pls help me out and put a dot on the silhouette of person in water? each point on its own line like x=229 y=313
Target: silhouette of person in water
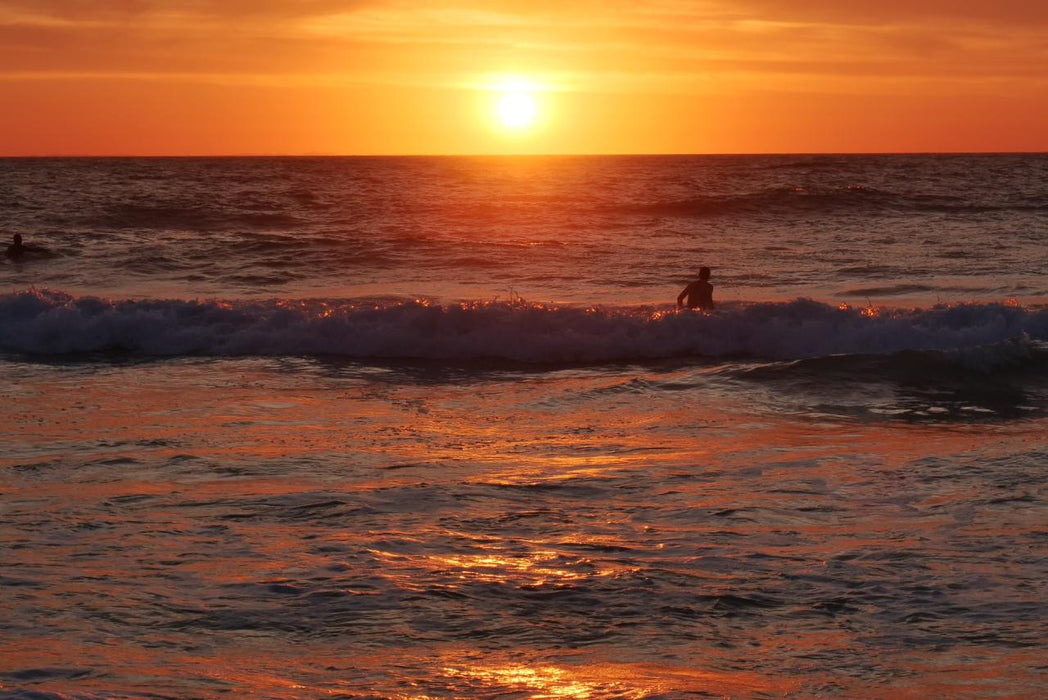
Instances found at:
x=17 y=251
x=699 y=292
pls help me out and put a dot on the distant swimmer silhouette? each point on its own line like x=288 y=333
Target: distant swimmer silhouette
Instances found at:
x=20 y=251
x=17 y=251
x=699 y=292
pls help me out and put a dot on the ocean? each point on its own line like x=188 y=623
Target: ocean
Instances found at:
x=435 y=427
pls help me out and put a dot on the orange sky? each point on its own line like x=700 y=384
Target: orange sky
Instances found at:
x=392 y=76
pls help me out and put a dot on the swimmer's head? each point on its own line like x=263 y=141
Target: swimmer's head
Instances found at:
x=18 y=239
x=704 y=273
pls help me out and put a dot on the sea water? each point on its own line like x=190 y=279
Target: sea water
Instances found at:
x=434 y=428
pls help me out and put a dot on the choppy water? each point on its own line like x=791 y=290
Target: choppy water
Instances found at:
x=432 y=428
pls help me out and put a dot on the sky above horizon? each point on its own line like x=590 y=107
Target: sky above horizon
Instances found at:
x=158 y=77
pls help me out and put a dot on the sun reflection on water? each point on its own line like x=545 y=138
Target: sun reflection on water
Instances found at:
x=543 y=682
x=533 y=569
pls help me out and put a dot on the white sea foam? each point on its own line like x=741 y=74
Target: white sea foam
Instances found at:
x=54 y=323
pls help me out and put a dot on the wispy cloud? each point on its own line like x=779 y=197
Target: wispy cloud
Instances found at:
x=673 y=45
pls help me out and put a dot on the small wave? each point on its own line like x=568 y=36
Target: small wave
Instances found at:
x=808 y=163
x=1020 y=354
x=783 y=200
x=776 y=199
x=1008 y=379
x=890 y=290
x=54 y=323
x=193 y=217
x=868 y=271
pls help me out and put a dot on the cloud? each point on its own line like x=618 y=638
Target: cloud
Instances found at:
x=122 y=10
x=713 y=42
x=880 y=12
x=854 y=12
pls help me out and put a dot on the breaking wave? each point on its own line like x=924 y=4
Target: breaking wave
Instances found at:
x=45 y=322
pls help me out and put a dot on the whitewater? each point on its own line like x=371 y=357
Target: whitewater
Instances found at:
x=435 y=427
x=43 y=323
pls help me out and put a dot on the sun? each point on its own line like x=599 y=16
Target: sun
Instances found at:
x=517 y=106
x=516 y=110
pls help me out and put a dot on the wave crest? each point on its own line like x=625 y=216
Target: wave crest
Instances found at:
x=44 y=322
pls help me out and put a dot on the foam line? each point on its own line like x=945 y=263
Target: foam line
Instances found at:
x=44 y=322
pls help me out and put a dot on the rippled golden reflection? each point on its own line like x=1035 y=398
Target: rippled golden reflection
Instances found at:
x=534 y=569
x=623 y=681
x=543 y=682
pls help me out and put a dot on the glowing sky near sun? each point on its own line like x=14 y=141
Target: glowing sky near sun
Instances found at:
x=390 y=76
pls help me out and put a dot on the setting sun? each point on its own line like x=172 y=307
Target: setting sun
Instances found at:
x=516 y=110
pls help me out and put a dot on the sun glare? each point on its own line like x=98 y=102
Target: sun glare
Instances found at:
x=516 y=110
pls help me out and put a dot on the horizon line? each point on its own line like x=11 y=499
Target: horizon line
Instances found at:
x=513 y=155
